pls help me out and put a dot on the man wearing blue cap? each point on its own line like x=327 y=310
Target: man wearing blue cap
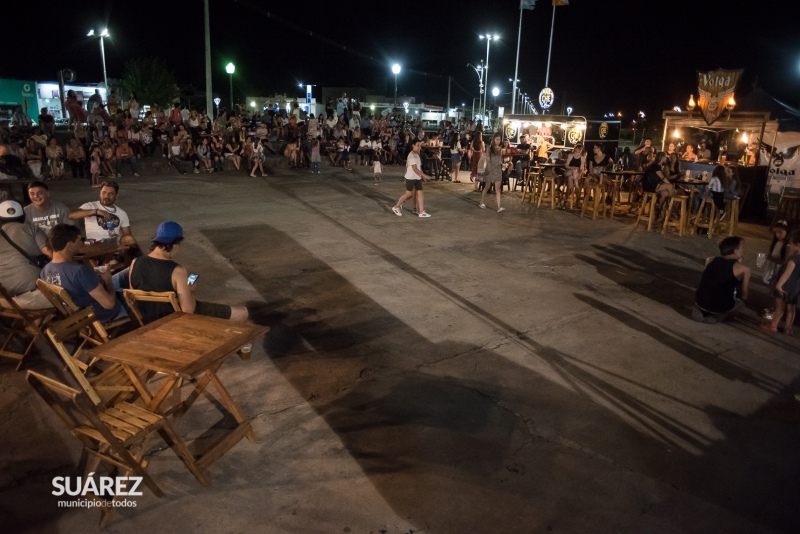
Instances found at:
x=158 y=272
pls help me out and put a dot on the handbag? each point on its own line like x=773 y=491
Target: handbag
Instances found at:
x=38 y=261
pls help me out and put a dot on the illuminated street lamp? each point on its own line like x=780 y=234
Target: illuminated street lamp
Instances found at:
x=217 y=101
x=396 y=71
x=230 y=68
x=102 y=35
x=489 y=39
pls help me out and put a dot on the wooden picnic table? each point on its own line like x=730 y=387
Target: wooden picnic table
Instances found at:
x=184 y=346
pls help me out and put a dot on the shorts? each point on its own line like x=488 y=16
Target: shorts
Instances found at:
x=211 y=309
x=411 y=185
x=456 y=158
x=345 y=156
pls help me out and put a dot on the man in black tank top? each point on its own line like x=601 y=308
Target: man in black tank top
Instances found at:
x=717 y=295
x=157 y=272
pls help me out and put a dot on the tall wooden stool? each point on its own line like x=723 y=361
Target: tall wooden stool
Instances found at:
x=647 y=211
x=529 y=186
x=594 y=199
x=548 y=189
x=683 y=216
x=730 y=221
x=706 y=216
x=788 y=208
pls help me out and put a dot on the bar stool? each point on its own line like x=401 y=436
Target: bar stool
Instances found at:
x=531 y=184
x=596 y=202
x=683 y=216
x=730 y=220
x=706 y=216
x=549 y=188
x=648 y=206
x=788 y=208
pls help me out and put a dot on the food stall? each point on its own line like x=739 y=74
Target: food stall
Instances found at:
x=728 y=140
x=562 y=131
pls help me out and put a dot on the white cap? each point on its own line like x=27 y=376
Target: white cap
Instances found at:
x=10 y=210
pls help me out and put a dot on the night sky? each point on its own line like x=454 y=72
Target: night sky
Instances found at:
x=625 y=55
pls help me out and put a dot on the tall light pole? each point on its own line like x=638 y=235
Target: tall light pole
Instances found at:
x=489 y=39
x=479 y=72
x=102 y=35
x=396 y=71
x=230 y=68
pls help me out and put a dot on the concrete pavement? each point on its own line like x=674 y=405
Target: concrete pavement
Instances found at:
x=527 y=371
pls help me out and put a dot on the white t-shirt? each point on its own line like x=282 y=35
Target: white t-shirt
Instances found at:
x=376 y=167
x=99 y=233
x=413 y=159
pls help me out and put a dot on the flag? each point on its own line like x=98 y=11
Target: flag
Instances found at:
x=560 y=2
x=527 y=4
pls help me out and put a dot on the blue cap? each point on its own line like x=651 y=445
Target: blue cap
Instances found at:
x=168 y=232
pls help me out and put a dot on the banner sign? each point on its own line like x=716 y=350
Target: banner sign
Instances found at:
x=715 y=89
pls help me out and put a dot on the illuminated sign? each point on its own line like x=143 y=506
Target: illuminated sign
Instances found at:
x=546 y=98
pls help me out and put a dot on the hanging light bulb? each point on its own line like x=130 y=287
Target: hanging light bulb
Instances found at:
x=744 y=137
x=731 y=103
x=691 y=105
x=676 y=134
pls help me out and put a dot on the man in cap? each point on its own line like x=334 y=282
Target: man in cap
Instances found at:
x=158 y=272
x=42 y=212
x=20 y=247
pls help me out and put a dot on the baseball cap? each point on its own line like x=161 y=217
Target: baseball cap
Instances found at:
x=168 y=232
x=10 y=210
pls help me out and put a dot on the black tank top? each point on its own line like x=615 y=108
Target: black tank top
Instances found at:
x=717 y=286
x=573 y=161
x=151 y=274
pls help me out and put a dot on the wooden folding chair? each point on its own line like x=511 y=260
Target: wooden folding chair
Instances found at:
x=102 y=386
x=132 y=296
x=61 y=300
x=113 y=437
x=22 y=324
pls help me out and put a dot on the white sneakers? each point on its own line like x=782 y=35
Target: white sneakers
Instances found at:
x=397 y=211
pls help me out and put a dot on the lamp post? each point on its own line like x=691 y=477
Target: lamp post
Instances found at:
x=102 y=35
x=396 y=71
x=230 y=68
x=479 y=71
x=489 y=39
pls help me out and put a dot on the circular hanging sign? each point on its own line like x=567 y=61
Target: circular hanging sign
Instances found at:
x=603 y=130
x=511 y=131
x=546 y=98
x=574 y=136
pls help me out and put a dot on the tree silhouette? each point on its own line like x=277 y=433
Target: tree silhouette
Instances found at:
x=151 y=80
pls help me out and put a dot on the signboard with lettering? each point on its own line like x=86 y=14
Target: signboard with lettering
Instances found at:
x=715 y=89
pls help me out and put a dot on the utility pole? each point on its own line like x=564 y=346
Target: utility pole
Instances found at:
x=209 y=96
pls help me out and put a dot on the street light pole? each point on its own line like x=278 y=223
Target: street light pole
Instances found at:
x=488 y=38
x=230 y=68
x=103 y=34
x=396 y=71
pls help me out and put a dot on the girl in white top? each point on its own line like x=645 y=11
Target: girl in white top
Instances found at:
x=414 y=177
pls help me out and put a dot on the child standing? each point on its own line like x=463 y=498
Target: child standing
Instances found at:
x=95 y=166
x=376 y=170
x=315 y=157
x=787 y=288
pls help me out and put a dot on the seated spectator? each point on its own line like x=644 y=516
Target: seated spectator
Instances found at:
x=104 y=220
x=21 y=120
x=86 y=286
x=55 y=159
x=76 y=157
x=716 y=297
x=231 y=150
x=124 y=156
x=42 y=213
x=18 y=262
x=158 y=272
x=689 y=154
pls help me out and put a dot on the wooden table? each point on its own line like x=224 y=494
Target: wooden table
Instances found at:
x=693 y=185
x=184 y=346
x=99 y=251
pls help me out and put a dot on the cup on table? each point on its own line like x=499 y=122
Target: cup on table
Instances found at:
x=761 y=260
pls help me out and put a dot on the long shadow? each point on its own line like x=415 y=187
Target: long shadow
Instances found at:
x=440 y=435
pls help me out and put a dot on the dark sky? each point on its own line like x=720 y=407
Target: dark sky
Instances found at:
x=624 y=55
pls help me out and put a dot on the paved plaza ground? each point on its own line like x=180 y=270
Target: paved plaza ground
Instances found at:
x=475 y=372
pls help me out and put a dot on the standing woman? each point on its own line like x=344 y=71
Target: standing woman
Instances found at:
x=455 y=156
x=133 y=107
x=494 y=171
x=477 y=152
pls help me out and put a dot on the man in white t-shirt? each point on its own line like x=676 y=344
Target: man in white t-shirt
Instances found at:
x=414 y=177
x=104 y=220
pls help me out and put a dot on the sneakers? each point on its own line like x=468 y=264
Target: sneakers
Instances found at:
x=500 y=209
x=424 y=214
x=483 y=206
x=397 y=211
x=196 y=170
x=136 y=174
x=415 y=211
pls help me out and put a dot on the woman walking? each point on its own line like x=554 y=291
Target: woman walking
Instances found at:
x=494 y=171
x=477 y=152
